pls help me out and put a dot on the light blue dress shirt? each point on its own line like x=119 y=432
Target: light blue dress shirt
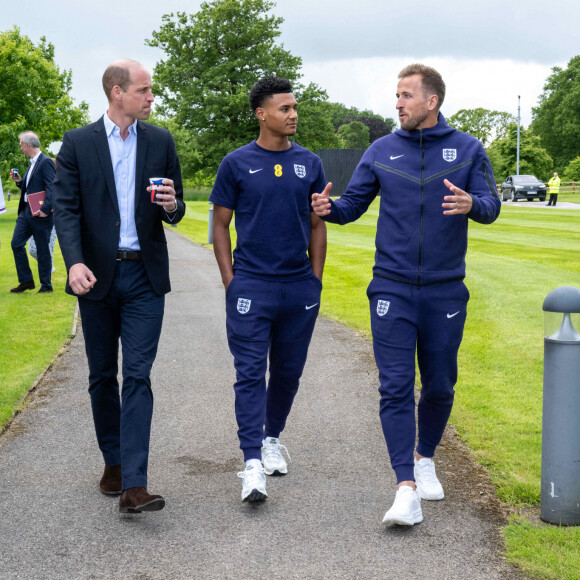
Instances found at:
x=124 y=159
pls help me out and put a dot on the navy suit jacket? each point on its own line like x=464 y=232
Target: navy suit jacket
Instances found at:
x=86 y=209
x=41 y=180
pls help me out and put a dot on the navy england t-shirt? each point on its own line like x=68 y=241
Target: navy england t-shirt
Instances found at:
x=270 y=193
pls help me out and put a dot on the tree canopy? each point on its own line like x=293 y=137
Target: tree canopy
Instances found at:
x=34 y=96
x=534 y=160
x=556 y=119
x=378 y=126
x=482 y=124
x=354 y=135
x=213 y=58
x=572 y=171
x=315 y=130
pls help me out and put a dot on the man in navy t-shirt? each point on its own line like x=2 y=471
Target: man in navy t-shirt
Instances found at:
x=273 y=286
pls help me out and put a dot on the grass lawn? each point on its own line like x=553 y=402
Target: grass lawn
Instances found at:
x=33 y=326
x=512 y=265
x=196 y=194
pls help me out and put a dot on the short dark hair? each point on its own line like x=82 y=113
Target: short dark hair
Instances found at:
x=118 y=73
x=266 y=88
x=432 y=81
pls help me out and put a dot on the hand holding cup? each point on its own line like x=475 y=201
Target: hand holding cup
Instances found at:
x=163 y=193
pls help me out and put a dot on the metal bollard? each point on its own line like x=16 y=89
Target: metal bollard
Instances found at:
x=210 y=225
x=560 y=492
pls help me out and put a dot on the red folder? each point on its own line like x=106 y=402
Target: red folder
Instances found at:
x=35 y=200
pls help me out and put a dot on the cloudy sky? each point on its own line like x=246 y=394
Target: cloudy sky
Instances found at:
x=488 y=52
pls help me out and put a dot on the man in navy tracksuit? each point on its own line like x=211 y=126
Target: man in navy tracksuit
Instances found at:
x=273 y=287
x=432 y=179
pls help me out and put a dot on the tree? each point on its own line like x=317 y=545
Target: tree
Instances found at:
x=556 y=119
x=534 y=159
x=315 y=130
x=354 y=135
x=572 y=171
x=34 y=97
x=378 y=126
x=482 y=124
x=213 y=58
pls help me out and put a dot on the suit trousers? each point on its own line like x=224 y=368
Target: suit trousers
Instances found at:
x=133 y=313
x=428 y=320
x=276 y=319
x=39 y=228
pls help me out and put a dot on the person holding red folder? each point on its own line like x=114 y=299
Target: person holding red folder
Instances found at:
x=38 y=224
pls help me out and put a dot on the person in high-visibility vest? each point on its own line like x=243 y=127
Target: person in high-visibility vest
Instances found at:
x=554 y=185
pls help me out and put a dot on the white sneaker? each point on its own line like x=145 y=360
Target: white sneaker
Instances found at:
x=274 y=463
x=253 y=483
x=406 y=509
x=428 y=486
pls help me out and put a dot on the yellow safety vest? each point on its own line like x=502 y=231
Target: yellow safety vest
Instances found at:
x=554 y=184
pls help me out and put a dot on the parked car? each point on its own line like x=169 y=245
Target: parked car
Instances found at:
x=522 y=187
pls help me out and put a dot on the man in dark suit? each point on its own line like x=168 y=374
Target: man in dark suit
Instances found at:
x=38 y=177
x=112 y=239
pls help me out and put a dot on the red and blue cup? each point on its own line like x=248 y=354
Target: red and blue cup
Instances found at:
x=155 y=182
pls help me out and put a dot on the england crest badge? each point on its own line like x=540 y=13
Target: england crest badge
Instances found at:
x=244 y=305
x=383 y=307
x=300 y=170
x=450 y=154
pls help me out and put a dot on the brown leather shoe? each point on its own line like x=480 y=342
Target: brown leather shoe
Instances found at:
x=23 y=286
x=136 y=500
x=111 y=483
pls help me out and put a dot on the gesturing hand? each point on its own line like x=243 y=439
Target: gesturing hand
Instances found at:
x=458 y=203
x=321 y=201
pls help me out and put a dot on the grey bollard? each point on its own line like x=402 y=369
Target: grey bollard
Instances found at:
x=210 y=225
x=560 y=492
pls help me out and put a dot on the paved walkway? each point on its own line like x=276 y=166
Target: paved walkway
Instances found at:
x=323 y=520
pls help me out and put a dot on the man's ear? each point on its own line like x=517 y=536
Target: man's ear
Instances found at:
x=260 y=113
x=116 y=92
x=432 y=103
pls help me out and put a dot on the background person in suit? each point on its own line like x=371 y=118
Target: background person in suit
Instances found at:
x=38 y=177
x=114 y=248
x=52 y=239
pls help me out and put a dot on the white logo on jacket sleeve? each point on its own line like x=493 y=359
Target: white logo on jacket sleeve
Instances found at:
x=450 y=154
x=244 y=305
x=300 y=170
x=383 y=307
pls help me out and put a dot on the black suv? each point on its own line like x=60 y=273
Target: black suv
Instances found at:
x=522 y=187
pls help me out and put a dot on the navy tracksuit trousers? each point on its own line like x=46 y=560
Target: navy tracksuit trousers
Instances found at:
x=428 y=320
x=268 y=318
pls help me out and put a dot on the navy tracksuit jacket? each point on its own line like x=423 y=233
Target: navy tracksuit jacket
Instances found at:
x=417 y=297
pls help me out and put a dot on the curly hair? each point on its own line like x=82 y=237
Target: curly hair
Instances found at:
x=266 y=88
